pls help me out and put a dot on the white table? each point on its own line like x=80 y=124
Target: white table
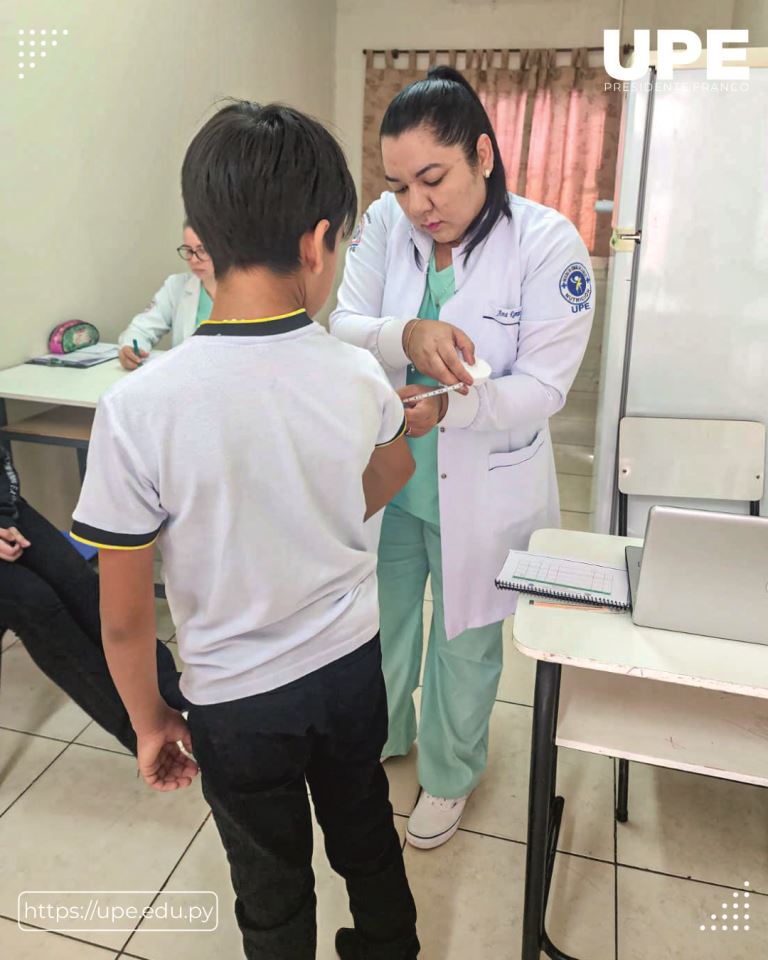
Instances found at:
x=606 y=686
x=75 y=391
x=69 y=386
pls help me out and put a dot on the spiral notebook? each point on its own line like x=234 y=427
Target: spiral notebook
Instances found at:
x=563 y=579
x=84 y=357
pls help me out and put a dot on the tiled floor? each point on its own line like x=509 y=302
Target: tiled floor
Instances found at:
x=73 y=816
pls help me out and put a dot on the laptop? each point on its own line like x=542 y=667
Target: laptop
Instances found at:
x=702 y=572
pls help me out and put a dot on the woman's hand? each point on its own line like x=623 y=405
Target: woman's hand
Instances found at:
x=162 y=764
x=423 y=416
x=12 y=544
x=432 y=345
x=129 y=360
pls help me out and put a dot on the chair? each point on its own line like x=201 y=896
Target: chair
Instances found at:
x=668 y=458
x=87 y=552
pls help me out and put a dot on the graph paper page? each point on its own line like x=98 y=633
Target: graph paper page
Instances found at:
x=557 y=576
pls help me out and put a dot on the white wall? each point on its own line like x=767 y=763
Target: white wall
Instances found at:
x=93 y=142
x=752 y=15
x=99 y=133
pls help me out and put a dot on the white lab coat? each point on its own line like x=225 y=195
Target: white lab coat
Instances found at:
x=526 y=299
x=173 y=308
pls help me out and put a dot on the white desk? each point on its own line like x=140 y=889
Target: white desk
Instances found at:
x=74 y=390
x=71 y=387
x=606 y=686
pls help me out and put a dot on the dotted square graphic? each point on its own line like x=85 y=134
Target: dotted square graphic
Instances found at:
x=33 y=44
x=741 y=903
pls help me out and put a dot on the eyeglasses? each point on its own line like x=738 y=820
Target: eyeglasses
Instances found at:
x=186 y=253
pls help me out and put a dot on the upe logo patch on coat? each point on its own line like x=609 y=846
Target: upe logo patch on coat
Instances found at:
x=576 y=286
x=357 y=236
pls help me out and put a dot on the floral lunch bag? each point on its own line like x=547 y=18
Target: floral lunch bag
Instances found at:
x=72 y=335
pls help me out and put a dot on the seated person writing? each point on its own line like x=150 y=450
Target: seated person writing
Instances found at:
x=178 y=307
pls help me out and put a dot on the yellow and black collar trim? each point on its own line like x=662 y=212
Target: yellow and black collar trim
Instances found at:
x=263 y=327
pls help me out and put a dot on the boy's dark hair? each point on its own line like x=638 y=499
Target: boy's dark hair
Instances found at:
x=256 y=179
x=447 y=104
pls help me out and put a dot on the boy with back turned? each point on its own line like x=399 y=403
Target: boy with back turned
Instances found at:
x=252 y=453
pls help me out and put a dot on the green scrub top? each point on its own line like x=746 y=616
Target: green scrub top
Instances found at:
x=204 y=306
x=419 y=496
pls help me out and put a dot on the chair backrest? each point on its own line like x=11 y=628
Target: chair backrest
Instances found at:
x=86 y=552
x=696 y=459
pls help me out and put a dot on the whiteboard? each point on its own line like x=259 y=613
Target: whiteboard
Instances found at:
x=699 y=344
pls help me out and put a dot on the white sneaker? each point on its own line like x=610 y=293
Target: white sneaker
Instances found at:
x=434 y=820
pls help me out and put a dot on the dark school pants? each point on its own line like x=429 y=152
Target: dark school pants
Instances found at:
x=257 y=756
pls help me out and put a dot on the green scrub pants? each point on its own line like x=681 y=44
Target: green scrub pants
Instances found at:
x=461 y=677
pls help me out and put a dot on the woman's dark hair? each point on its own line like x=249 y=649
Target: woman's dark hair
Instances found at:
x=446 y=103
x=256 y=178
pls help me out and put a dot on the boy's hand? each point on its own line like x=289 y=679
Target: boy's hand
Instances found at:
x=129 y=360
x=420 y=417
x=12 y=544
x=161 y=762
x=423 y=416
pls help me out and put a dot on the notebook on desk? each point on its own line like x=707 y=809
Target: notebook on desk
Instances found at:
x=85 y=357
x=562 y=579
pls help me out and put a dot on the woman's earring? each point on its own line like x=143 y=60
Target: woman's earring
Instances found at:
x=486 y=174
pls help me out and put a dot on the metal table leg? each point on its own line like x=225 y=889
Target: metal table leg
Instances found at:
x=622 y=801
x=3 y=423
x=545 y=811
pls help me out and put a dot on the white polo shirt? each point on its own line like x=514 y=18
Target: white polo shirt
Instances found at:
x=242 y=452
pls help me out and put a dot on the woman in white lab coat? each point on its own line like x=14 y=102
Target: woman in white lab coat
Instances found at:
x=183 y=301
x=449 y=263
